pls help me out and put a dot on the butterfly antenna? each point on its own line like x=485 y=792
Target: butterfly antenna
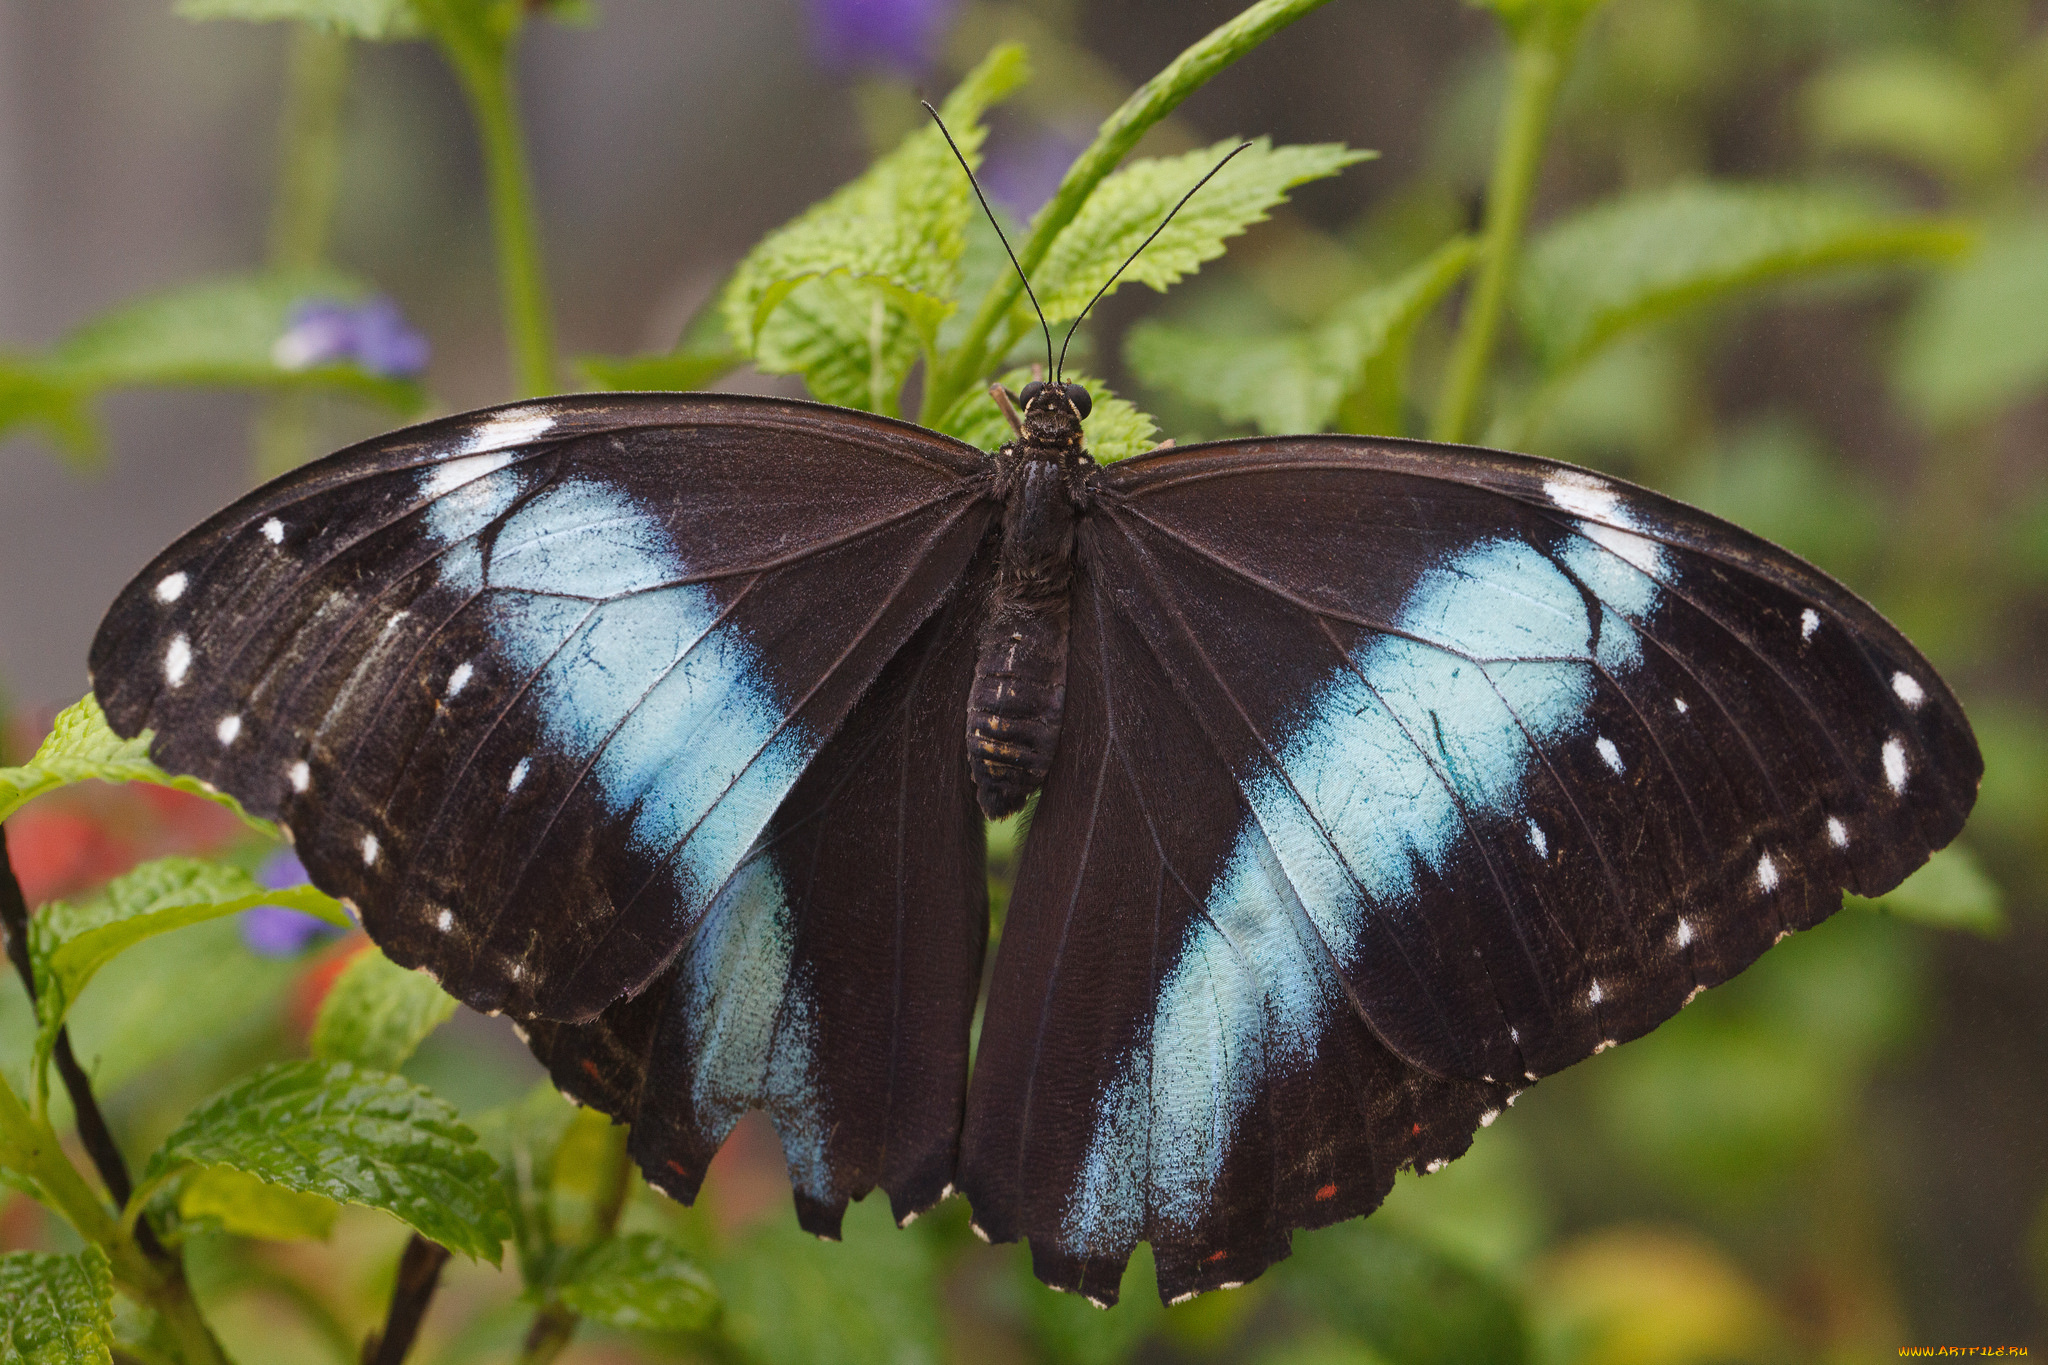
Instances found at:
x=1060 y=368
x=994 y=224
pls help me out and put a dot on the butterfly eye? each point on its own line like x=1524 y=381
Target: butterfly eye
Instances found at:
x=1031 y=391
x=1078 y=396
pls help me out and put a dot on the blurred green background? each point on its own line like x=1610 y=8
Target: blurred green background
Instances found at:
x=1841 y=1153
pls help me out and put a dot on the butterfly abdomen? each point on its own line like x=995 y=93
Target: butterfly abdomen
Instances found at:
x=1020 y=674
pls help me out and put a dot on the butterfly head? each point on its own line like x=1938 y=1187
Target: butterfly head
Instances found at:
x=1052 y=417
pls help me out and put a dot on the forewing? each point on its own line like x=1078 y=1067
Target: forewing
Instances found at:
x=1168 y=1053
x=527 y=684
x=1543 y=753
x=832 y=984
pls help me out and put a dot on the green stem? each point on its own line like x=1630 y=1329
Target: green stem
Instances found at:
x=556 y=1323
x=309 y=148
x=1543 y=46
x=481 y=54
x=31 y=1148
x=308 y=161
x=1119 y=133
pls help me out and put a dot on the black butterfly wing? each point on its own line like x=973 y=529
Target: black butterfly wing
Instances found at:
x=1526 y=757
x=1168 y=1054
x=832 y=984
x=528 y=683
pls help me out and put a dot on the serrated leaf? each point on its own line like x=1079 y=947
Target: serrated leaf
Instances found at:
x=378 y=1013
x=372 y=19
x=80 y=748
x=1114 y=429
x=217 y=331
x=1951 y=891
x=1923 y=108
x=70 y=942
x=237 y=1202
x=1296 y=381
x=353 y=1136
x=56 y=1310
x=1977 y=339
x=641 y=1281
x=1639 y=259
x=1129 y=205
x=889 y=246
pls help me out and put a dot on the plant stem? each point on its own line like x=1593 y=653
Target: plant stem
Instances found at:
x=309 y=148
x=308 y=159
x=481 y=53
x=1119 y=133
x=419 y=1273
x=556 y=1323
x=1543 y=46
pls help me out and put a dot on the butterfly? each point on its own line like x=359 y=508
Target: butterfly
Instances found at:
x=1375 y=780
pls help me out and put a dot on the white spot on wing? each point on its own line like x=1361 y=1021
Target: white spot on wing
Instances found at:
x=1766 y=873
x=369 y=850
x=907 y=1219
x=1595 y=995
x=171 y=587
x=1581 y=493
x=273 y=531
x=1646 y=555
x=1604 y=1045
x=1537 y=841
x=1177 y=1299
x=1838 y=833
x=301 y=775
x=1684 y=935
x=518 y=775
x=507 y=429
x=445 y=921
x=1433 y=1167
x=1905 y=684
x=1809 y=622
x=1486 y=1119
x=1692 y=995
x=1609 y=753
x=1895 y=763
x=229 y=727
x=1680 y=704
x=459 y=679
x=177 y=661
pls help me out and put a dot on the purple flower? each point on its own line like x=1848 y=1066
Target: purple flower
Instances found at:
x=272 y=930
x=1022 y=174
x=372 y=334
x=895 y=35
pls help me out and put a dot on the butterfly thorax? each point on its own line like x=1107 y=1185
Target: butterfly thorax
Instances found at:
x=1020 y=675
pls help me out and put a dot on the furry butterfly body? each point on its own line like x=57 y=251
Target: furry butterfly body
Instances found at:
x=1377 y=780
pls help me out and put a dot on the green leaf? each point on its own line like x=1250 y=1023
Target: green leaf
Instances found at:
x=1129 y=205
x=1636 y=260
x=674 y=372
x=1951 y=891
x=1924 y=108
x=30 y=398
x=378 y=1013
x=1411 y=1304
x=1297 y=381
x=237 y=1202
x=523 y=1138
x=80 y=748
x=70 y=942
x=641 y=1281
x=353 y=1136
x=56 y=1310
x=372 y=19
x=218 y=331
x=872 y=270
x=1114 y=429
x=791 y=1299
x=1977 y=339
